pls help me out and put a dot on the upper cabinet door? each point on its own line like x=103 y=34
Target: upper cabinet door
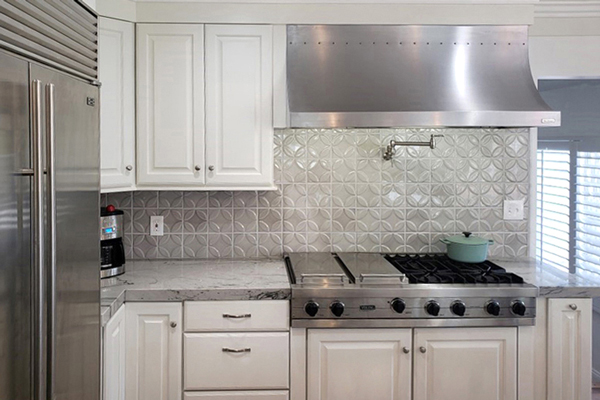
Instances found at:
x=116 y=71
x=170 y=105
x=465 y=364
x=569 y=349
x=239 y=106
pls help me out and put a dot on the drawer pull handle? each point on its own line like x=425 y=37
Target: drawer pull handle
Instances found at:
x=237 y=316
x=244 y=350
x=573 y=307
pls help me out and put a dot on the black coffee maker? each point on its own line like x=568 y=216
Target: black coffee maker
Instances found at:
x=111 y=242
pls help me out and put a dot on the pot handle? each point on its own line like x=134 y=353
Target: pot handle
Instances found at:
x=445 y=241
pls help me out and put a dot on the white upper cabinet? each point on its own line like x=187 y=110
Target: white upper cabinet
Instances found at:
x=359 y=364
x=116 y=71
x=239 y=106
x=569 y=349
x=465 y=364
x=170 y=106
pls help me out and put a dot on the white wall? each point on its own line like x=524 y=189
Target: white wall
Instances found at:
x=564 y=56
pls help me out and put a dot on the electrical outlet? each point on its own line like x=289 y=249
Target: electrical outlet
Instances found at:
x=156 y=225
x=513 y=210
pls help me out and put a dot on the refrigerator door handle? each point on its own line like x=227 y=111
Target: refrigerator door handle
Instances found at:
x=51 y=227
x=40 y=377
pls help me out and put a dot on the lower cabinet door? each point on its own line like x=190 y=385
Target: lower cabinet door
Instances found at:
x=236 y=361
x=569 y=349
x=253 y=395
x=114 y=357
x=359 y=364
x=465 y=364
x=153 y=351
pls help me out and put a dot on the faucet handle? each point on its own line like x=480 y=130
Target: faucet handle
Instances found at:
x=432 y=143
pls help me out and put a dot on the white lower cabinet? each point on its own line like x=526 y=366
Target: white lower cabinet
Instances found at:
x=253 y=395
x=569 y=349
x=465 y=364
x=114 y=357
x=236 y=361
x=154 y=351
x=359 y=364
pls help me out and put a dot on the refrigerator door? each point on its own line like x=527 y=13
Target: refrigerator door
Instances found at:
x=71 y=115
x=15 y=231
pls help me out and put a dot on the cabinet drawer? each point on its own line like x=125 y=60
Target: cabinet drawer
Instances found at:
x=254 y=395
x=210 y=316
x=210 y=362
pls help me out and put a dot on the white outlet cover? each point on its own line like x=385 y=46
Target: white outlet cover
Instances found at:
x=514 y=210
x=157 y=225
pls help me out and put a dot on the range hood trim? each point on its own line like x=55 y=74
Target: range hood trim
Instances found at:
x=425 y=119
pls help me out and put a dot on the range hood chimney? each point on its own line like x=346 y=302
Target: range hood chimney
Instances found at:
x=412 y=76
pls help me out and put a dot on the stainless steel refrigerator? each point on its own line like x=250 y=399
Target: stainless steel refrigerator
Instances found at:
x=49 y=234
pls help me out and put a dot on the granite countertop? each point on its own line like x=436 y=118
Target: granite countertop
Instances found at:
x=551 y=281
x=178 y=280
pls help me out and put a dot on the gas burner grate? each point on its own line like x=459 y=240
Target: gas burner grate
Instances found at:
x=438 y=268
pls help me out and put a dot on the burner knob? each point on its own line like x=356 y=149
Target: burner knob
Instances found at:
x=337 y=308
x=311 y=308
x=518 y=307
x=398 y=305
x=458 y=308
x=493 y=308
x=433 y=308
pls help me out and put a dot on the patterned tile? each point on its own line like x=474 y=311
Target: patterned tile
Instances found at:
x=170 y=246
x=195 y=246
x=220 y=245
x=335 y=193
x=245 y=245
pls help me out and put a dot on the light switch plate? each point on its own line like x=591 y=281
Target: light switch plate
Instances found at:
x=513 y=210
x=157 y=225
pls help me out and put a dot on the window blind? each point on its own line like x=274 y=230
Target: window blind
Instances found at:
x=553 y=207
x=587 y=212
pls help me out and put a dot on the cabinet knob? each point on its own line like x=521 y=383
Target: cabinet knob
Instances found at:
x=211 y=167
x=573 y=307
x=406 y=350
x=197 y=168
x=129 y=167
x=422 y=349
x=173 y=324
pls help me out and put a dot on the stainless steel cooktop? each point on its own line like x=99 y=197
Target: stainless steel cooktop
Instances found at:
x=395 y=290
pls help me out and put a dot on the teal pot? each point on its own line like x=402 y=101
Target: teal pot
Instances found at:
x=467 y=248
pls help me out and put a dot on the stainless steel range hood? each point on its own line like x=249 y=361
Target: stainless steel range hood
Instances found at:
x=412 y=76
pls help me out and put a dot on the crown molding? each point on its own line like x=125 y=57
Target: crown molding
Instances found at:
x=567 y=9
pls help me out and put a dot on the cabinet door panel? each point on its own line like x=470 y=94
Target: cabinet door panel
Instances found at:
x=116 y=71
x=358 y=364
x=154 y=351
x=170 y=105
x=239 y=98
x=465 y=364
x=114 y=357
x=569 y=349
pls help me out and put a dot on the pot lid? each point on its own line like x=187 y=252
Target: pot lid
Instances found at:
x=468 y=239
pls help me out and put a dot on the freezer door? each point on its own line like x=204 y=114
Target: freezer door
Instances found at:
x=15 y=231
x=71 y=110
